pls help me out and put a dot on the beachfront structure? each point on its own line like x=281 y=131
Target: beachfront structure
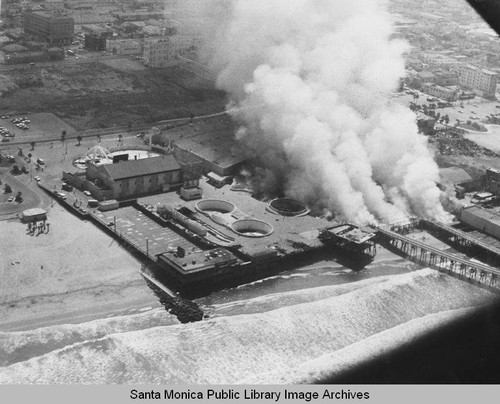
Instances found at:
x=128 y=179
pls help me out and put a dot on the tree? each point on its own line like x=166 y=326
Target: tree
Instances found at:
x=63 y=136
x=7 y=189
x=32 y=146
x=16 y=170
x=79 y=138
x=19 y=197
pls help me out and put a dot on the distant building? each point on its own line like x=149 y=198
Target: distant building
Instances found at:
x=138 y=15
x=161 y=52
x=123 y=46
x=53 y=28
x=482 y=81
x=425 y=124
x=493 y=180
x=97 y=41
x=445 y=93
x=458 y=178
x=426 y=77
x=446 y=78
x=127 y=179
x=54 y=5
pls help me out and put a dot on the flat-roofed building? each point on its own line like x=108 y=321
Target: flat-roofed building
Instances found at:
x=445 y=93
x=53 y=28
x=161 y=52
x=482 y=81
x=123 y=46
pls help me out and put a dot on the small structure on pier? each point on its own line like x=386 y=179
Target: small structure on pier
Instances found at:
x=350 y=238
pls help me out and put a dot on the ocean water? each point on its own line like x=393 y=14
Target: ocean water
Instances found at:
x=319 y=324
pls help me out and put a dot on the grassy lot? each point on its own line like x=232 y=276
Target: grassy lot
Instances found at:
x=94 y=95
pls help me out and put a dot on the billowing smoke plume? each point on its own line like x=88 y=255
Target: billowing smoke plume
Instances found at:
x=309 y=82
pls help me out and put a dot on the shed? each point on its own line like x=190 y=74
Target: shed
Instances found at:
x=33 y=215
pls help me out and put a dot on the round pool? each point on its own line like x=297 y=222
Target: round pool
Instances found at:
x=252 y=228
x=288 y=207
x=209 y=206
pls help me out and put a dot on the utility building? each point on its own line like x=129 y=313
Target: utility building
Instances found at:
x=55 y=29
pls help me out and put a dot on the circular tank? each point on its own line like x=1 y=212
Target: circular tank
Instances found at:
x=252 y=228
x=288 y=207
x=209 y=206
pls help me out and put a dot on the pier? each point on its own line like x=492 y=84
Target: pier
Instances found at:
x=425 y=254
x=461 y=239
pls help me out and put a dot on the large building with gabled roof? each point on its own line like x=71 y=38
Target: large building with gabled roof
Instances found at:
x=128 y=179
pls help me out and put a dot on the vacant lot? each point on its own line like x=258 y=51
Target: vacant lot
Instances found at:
x=95 y=94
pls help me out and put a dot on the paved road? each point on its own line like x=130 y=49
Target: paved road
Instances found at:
x=114 y=131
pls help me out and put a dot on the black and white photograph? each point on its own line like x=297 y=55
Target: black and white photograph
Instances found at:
x=249 y=192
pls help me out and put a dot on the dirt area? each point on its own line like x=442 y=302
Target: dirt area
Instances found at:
x=74 y=266
x=456 y=146
x=452 y=143
x=96 y=95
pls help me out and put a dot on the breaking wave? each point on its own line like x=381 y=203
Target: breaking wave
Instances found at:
x=296 y=336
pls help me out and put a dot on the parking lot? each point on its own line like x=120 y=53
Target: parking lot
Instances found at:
x=32 y=127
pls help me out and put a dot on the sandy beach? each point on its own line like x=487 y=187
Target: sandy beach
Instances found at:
x=73 y=273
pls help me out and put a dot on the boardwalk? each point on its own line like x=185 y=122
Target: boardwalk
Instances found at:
x=441 y=260
x=144 y=233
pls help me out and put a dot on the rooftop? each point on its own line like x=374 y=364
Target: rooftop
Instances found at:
x=483 y=214
x=142 y=167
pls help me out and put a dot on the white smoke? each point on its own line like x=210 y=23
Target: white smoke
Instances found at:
x=309 y=82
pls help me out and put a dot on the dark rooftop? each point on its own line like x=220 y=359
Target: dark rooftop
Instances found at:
x=141 y=167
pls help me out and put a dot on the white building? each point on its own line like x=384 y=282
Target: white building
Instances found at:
x=161 y=52
x=482 y=81
x=123 y=46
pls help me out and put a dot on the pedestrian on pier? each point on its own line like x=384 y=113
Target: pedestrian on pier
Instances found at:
x=48 y=224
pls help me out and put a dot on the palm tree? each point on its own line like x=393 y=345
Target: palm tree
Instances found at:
x=79 y=138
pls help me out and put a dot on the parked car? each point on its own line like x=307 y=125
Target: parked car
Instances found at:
x=37 y=178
